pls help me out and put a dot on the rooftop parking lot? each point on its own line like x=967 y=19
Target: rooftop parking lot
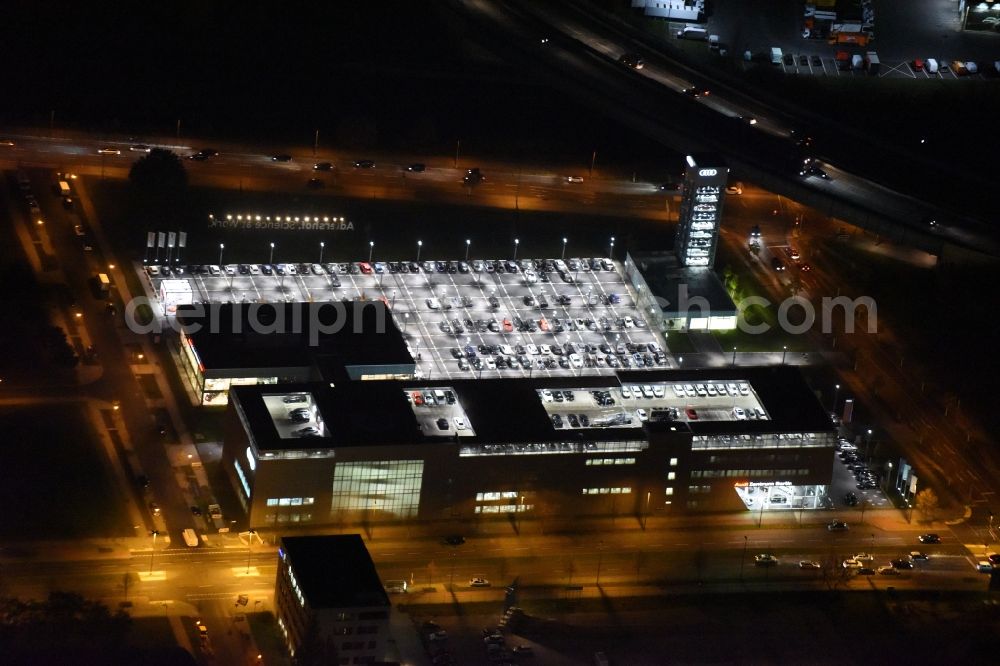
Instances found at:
x=629 y=405
x=483 y=318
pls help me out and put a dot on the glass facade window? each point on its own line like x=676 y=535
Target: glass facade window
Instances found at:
x=741 y=473
x=390 y=486
x=606 y=491
x=808 y=440
x=550 y=448
x=610 y=461
x=243 y=478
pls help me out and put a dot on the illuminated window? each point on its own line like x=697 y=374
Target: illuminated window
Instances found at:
x=671 y=476
x=272 y=501
x=390 y=486
x=673 y=462
x=670 y=490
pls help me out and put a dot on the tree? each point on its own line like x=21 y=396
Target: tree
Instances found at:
x=158 y=185
x=927 y=502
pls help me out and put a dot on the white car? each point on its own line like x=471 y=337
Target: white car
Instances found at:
x=732 y=389
x=433 y=304
x=254 y=269
x=532 y=349
x=641 y=413
x=574 y=179
x=739 y=414
x=647 y=391
x=658 y=391
x=864 y=557
x=460 y=423
x=478 y=581
x=626 y=393
x=710 y=389
x=546 y=395
x=544 y=349
x=490 y=363
x=689 y=391
x=678 y=390
x=507 y=350
x=575 y=360
x=744 y=389
x=701 y=390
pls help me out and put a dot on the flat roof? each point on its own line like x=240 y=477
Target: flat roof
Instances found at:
x=666 y=279
x=293 y=335
x=513 y=411
x=334 y=571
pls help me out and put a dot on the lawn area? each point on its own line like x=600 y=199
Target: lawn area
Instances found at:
x=56 y=481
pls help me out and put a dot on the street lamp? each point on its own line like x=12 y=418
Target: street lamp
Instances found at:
x=517 y=241
x=746 y=542
x=611 y=248
x=154 y=534
x=734 y=357
x=600 y=556
x=836 y=394
x=321 y=246
x=646 y=516
x=250 y=535
x=784 y=352
x=420 y=245
x=520 y=511
x=222 y=246
x=270 y=258
x=371 y=248
x=565 y=240
x=468 y=242
x=406 y=320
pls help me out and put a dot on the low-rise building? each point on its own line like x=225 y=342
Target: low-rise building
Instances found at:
x=330 y=603
x=638 y=443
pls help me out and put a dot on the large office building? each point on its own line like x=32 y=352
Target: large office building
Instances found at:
x=234 y=344
x=638 y=443
x=330 y=602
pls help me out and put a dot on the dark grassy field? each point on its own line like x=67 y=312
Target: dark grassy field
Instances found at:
x=56 y=482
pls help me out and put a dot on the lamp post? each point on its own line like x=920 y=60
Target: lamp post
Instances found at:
x=868 y=445
x=270 y=258
x=222 y=246
x=645 y=518
x=420 y=245
x=371 y=249
x=746 y=542
x=611 y=248
x=468 y=242
x=517 y=241
x=734 y=357
x=406 y=320
x=520 y=511
x=784 y=352
x=321 y=246
x=600 y=557
x=152 y=551
x=250 y=535
x=565 y=240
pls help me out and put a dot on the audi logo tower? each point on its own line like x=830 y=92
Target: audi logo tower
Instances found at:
x=701 y=210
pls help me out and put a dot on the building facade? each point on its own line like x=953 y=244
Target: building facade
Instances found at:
x=701 y=210
x=637 y=444
x=330 y=603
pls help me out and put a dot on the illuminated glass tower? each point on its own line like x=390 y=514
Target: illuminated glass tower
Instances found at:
x=701 y=210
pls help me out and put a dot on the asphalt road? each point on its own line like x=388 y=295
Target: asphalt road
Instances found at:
x=585 y=57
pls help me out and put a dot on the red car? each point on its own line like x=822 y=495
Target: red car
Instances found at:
x=365 y=267
x=691 y=413
x=543 y=324
x=508 y=326
x=418 y=398
x=918 y=65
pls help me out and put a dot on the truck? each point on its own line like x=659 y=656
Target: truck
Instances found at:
x=713 y=42
x=190 y=538
x=776 y=55
x=872 y=63
x=103 y=283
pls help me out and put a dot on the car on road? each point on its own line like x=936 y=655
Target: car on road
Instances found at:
x=155 y=508
x=864 y=557
x=416 y=167
x=696 y=92
x=984 y=566
x=809 y=564
x=777 y=264
x=139 y=148
x=323 y=166
x=195 y=511
x=454 y=540
x=929 y=538
x=994 y=558
x=109 y=151
x=203 y=154
x=478 y=581
x=574 y=179
x=888 y=571
x=281 y=157
x=851 y=564
x=902 y=563
x=364 y=164
x=837 y=526
x=918 y=556
x=633 y=60
x=765 y=560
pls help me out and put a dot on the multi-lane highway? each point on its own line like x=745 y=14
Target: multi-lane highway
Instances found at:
x=581 y=53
